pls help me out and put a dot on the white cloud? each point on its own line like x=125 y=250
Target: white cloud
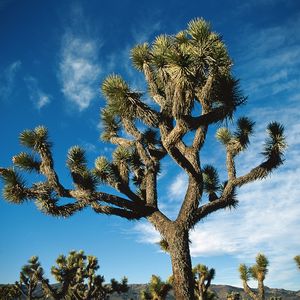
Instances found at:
x=37 y=96
x=7 y=79
x=178 y=187
x=147 y=233
x=79 y=69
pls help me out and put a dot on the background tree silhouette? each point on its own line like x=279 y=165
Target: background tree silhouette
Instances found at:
x=156 y=290
x=233 y=296
x=203 y=277
x=77 y=275
x=29 y=278
x=258 y=272
x=192 y=87
x=9 y=292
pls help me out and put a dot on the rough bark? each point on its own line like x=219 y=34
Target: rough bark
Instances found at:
x=183 y=283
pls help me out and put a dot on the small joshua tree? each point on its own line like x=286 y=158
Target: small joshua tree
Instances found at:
x=257 y=272
x=78 y=278
x=156 y=290
x=203 y=277
x=30 y=278
x=9 y=292
x=190 y=80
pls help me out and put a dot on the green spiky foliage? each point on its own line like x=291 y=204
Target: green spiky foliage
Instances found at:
x=233 y=296
x=189 y=79
x=257 y=272
x=297 y=260
x=203 y=277
x=30 y=278
x=78 y=278
x=83 y=178
x=9 y=292
x=156 y=290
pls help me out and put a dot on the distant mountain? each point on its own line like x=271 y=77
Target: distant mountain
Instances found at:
x=221 y=290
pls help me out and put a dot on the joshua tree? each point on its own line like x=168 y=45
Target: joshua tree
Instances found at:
x=203 y=277
x=78 y=278
x=233 y=296
x=29 y=278
x=297 y=260
x=190 y=82
x=157 y=289
x=257 y=272
x=9 y=292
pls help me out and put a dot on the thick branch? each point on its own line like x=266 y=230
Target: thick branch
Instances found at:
x=199 y=138
x=248 y=290
x=157 y=97
x=108 y=210
x=216 y=115
x=191 y=201
x=230 y=164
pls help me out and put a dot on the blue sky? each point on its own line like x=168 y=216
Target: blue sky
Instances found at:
x=54 y=56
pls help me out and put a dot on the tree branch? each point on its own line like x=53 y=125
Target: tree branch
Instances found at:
x=157 y=97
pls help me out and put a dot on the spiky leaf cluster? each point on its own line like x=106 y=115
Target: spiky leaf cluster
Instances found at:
x=26 y=162
x=275 y=144
x=238 y=140
x=139 y=55
x=244 y=130
x=111 y=124
x=244 y=272
x=76 y=162
x=14 y=186
x=120 y=99
x=36 y=139
x=211 y=183
x=224 y=135
x=105 y=171
x=258 y=271
x=157 y=289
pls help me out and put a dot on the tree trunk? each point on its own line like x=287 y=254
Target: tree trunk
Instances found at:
x=261 y=289
x=183 y=283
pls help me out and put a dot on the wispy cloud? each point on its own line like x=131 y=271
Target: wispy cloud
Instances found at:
x=7 y=79
x=79 y=69
x=37 y=96
x=79 y=66
x=269 y=59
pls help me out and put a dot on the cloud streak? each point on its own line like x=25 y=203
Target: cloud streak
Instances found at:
x=36 y=95
x=270 y=59
x=7 y=79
